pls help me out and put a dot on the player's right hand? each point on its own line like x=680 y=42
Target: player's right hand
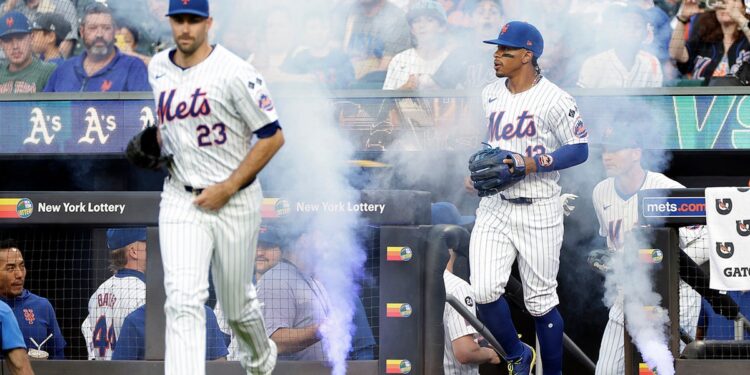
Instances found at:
x=214 y=197
x=494 y=357
x=469 y=185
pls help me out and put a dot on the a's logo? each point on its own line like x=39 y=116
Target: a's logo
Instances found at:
x=398 y=254
x=398 y=310
x=94 y=127
x=469 y=302
x=39 y=127
x=10 y=21
x=147 y=117
x=106 y=85
x=265 y=103
x=505 y=28
x=397 y=366
x=24 y=208
x=546 y=160
x=724 y=206
x=743 y=227
x=580 y=129
x=725 y=249
x=28 y=314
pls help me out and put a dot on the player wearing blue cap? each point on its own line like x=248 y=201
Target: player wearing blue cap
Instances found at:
x=539 y=125
x=119 y=295
x=12 y=343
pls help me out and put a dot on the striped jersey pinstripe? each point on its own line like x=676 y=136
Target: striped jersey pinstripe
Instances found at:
x=456 y=326
x=618 y=215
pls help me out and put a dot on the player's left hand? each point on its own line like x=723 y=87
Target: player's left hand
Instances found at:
x=214 y=197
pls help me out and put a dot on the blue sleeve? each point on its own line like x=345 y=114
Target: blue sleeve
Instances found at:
x=130 y=345
x=138 y=76
x=564 y=157
x=9 y=329
x=50 y=86
x=269 y=130
x=58 y=349
x=216 y=347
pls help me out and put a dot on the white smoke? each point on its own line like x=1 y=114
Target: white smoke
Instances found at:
x=630 y=282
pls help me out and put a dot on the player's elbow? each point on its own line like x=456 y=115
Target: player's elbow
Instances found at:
x=581 y=154
x=465 y=349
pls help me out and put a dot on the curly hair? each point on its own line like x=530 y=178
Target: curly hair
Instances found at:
x=709 y=28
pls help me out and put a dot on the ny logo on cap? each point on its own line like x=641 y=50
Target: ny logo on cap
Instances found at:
x=185 y=2
x=505 y=28
x=529 y=43
x=10 y=22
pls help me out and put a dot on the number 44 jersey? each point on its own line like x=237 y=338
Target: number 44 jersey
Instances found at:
x=109 y=305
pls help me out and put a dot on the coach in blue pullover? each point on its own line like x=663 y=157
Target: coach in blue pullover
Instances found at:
x=34 y=314
x=102 y=67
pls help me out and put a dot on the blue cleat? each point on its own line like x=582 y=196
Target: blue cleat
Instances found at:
x=524 y=364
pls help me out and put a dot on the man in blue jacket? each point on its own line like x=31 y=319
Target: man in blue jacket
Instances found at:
x=11 y=343
x=34 y=314
x=101 y=67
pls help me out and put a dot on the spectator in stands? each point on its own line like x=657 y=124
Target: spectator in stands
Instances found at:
x=659 y=29
x=131 y=343
x=102 y=67
x=33 y=8
x=145 y=16
x=626 y=64
x=23 y=73
x=414 y=68
x=374 y=31
x=721 y=45
x=321 y=57
x=462 y=354
x=34 y=314
x=126 y=39
x=12 y=343
x=470 y=66
x=119 y=295
x=48 y=32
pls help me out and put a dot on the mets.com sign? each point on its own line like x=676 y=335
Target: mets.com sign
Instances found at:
x=685 y=122
x=663 y=207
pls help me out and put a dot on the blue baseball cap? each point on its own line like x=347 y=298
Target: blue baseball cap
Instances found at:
x=269 y=236
x=14 y=23
x=196 y=7
x=519 y=34
x=447 y=213
x=121 y=237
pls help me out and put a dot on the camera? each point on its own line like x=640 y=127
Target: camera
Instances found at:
x=710 y=4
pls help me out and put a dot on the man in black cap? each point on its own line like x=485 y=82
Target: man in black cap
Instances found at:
x=22 y=74
x=47 y=33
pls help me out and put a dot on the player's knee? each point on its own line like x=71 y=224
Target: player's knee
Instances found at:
x=538 y=306
x=488 y=295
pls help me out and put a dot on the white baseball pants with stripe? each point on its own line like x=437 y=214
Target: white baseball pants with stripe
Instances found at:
x=531 y=233
x=191 y=239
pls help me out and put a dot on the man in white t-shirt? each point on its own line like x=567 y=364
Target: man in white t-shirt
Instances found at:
x=626 y=64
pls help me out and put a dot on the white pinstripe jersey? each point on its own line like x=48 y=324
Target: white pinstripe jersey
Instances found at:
x=207 y=113
x=117 y=297
x=618 y=215
x=536 y=121
x=455 y=325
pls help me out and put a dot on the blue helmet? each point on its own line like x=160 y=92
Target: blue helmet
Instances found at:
x=519 y=34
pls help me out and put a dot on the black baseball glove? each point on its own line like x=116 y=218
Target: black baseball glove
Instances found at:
x=490 y=172
x=144 y=151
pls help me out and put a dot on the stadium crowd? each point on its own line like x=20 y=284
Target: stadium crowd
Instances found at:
x=105 y=45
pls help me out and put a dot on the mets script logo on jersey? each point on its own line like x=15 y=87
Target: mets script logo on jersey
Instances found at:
x=198 y=106
x=28 y=314
x=743 y=227
x=724 y=206
x=725 y=249
x=524 y=127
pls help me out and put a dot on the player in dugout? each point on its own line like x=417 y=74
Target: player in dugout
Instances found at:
x=35 y=315
x=119 y=295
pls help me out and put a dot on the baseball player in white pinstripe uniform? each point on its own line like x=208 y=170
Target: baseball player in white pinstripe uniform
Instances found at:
x=616 y=205
x=119 y=295
x=210 y=105
x=539 y=124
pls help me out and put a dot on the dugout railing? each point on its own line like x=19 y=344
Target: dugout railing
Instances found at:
x=660 y=228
